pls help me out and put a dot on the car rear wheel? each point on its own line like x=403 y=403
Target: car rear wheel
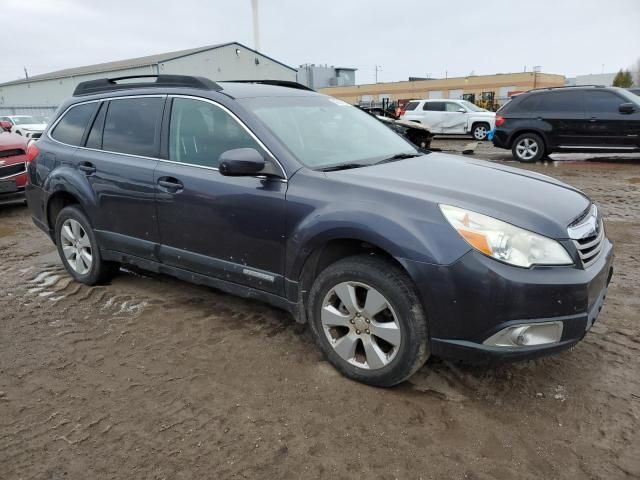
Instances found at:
x=78 y=248
x=528 y=148
x=480 y=131
x=368 y=320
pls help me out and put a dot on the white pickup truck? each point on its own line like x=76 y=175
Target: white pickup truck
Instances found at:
x=444 y=116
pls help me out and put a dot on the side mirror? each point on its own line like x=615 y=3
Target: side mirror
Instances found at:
x=627 y=108
x=462 y=110
x=241 y=162
x=5 y=125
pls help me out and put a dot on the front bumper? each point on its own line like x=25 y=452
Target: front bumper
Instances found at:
x=474 y=298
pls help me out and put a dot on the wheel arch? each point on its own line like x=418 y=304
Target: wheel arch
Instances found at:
x=328 y=252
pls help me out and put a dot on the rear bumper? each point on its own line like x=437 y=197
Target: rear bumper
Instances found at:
x=500 y=139
x=476 y=297
x=13 y=197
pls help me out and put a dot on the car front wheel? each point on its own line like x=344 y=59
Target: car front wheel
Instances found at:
x=480 y=131
x=368 y=320
x=528 y=148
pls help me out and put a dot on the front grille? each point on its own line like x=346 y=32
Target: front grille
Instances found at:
x=36 y=135
x=587 y=234
x=10 y=170
x=14 y=152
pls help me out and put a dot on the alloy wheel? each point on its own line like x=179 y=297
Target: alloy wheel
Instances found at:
x=76 y=246
x=360 y=325
x=527 y=148
x=480 y=133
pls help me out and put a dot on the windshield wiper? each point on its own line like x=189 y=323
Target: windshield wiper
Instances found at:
x=398 y=156
x=343 y=166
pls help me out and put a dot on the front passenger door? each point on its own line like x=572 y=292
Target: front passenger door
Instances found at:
x=231 y=228
x=608 y=127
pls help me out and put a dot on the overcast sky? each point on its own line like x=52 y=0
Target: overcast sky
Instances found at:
x=405 y=37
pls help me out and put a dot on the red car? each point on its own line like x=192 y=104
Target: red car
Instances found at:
x=13 y=167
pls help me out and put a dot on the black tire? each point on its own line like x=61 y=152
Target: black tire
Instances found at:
x=478 y=128
x=398 y=290
x=100 y=270
x=519 y=144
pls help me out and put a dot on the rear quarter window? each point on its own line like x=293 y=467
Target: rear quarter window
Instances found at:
x=71 y=126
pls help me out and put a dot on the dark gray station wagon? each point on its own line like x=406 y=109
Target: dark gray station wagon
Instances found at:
x=271 y=191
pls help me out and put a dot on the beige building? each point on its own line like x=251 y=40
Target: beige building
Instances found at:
x=480 y=89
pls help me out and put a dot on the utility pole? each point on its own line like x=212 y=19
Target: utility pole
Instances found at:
x=378 y=68
x=256 y=29
x=26 y=74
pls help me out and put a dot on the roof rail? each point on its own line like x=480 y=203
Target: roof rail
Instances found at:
x=276 y=83
x=110 y=84
x=565 y=86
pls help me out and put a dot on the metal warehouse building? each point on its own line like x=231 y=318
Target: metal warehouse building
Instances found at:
x=42 y=94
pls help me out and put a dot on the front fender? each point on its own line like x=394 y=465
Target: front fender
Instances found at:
x=401 y=236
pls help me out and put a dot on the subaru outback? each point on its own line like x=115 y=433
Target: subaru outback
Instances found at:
x=271 y=191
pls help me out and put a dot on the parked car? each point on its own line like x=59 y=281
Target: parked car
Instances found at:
x=569 y=119
x=451 y=117
x=14 y=157
x=291 y=197
x=418 y=134
x=25 y=125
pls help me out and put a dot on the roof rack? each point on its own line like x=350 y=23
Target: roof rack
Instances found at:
x=565 y=86
x=276 y=83
x=110 y=84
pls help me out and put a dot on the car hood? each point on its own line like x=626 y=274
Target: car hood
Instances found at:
x=11 y=141
x=32 y=126
x=483 y=114
x=523 y=198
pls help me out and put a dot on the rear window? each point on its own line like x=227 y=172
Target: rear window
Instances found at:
x=71 y=127
x=433 y=106
x=131 y=126
x=411 y=106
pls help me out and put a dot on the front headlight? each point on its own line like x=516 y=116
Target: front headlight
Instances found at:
x=503 y=241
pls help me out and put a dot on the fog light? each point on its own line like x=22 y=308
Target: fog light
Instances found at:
x=526 y=335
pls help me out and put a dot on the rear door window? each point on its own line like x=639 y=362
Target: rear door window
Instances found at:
x=70 y=128
x=132 y=126
x=561 y=102
x=602 y=102
x=199 y=132
x=433 y=106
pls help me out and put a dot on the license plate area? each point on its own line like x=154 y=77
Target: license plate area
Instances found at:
x=8 y=186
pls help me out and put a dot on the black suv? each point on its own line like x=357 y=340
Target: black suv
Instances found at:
x=569 y=119
x=278 y=193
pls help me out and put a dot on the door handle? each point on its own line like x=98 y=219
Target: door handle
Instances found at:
x=86 y=167
x=170 y=183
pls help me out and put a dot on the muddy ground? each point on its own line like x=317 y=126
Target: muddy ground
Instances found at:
x=150 y=377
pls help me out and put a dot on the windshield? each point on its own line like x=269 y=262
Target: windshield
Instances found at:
x=472 y=107
x=24 y=120
x=323 y=132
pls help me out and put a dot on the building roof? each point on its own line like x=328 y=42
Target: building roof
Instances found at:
x=132 y=63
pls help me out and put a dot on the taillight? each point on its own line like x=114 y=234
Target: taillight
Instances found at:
x=499 y=120
x=32 y=151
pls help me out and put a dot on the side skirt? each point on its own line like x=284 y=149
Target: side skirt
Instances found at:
x=198 y=279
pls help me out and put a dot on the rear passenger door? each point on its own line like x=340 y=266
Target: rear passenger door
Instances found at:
x=231 y=228
x=563 y=117
x=118 y=161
